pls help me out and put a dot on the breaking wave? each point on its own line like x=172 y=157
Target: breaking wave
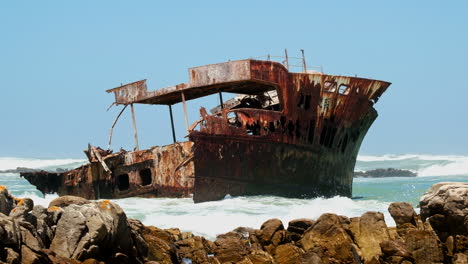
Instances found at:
x=11 y=163
x=424 y=165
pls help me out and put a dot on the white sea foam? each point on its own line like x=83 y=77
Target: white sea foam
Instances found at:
x=8 y=163
x=212 y=218
x=424 y=165
x=457 y=167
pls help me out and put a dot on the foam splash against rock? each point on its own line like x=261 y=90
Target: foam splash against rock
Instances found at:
x=76 y=229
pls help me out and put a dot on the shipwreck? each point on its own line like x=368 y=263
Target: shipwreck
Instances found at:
x=286 y=133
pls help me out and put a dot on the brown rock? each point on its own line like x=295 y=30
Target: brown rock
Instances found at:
x=395 y=248
x=193 y=248
x=331 y=234
x=29 y=257
x=11 y=257
x=288 y=253
x=260 y=257
x=402 y=213
x=369 y=231
x=460 y=258
x=231 y=247
x=268 y=229
x=425 y=246
x=160 y=250
x=299 y=226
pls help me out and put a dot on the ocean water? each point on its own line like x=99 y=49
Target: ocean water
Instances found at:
x=212 y=218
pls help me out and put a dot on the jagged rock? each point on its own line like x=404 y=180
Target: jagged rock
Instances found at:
x=231 y=247
x=260 y=257
x=288 y=253
x=330 y=232
x=22 y=208
x=10 y=256
x=460 y=258
x=30 y=257
x=395 y=248
x=7 y=201
x=402 y=213
x=297 y=227
x=389 y=172
x=92 y=230
x=369 y=231
x=446 y=204
x=268 y=229
x=9 y=232
x=425 y=246
x=66 y=200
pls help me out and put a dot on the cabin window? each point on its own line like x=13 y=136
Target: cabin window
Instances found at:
x=329 y=86
x=343 y=89
x=357 y=90
x=145 y=176
x=123 y=182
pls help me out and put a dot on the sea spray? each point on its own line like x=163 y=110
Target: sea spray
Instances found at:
x=212 y=218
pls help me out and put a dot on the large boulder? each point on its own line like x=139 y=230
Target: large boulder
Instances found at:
x=445 y=206
x=331 y=233
x=369 y=231
x=92 y=230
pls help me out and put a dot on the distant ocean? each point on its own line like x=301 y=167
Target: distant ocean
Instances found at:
x=212 y=218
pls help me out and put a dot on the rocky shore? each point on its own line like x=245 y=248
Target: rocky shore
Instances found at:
x=75 y=230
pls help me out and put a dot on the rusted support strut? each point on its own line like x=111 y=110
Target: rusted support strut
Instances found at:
x=113 y=125
x=172 y=124
x=135 y=132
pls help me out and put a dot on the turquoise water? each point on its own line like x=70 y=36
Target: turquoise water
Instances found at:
x=212 y=218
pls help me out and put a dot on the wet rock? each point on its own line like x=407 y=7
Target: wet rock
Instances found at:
x=449 y=201
x=369 y=231
x=330 y=233
x=66 y=200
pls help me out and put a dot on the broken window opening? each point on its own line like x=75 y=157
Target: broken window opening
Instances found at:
x=307 y=102
x=330 y=86
x=123 y=182
x=146 y=177
x=343 y=89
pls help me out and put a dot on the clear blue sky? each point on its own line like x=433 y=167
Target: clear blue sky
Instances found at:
x=58 y=57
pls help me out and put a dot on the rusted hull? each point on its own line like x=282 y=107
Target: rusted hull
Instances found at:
x=289 y=134
x=247 y=165
x=156 y=172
